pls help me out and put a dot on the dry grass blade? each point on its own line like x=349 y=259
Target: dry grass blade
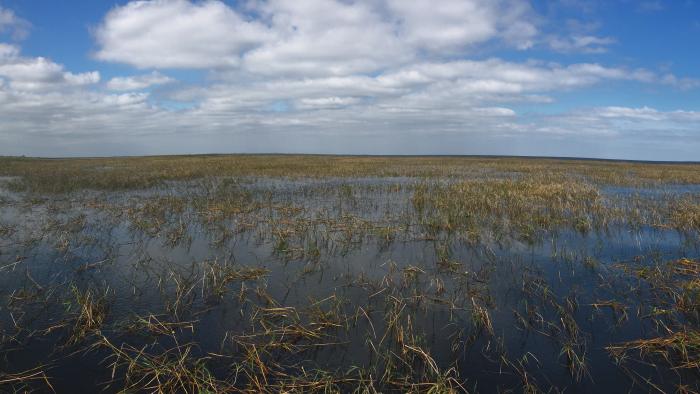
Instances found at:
x=680 y=350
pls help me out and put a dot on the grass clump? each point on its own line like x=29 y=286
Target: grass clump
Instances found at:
x=174 y=370
x=679 y=350
x=91 y=313
x=521 y=207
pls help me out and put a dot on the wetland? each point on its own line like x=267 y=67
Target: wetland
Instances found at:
x=302 y=273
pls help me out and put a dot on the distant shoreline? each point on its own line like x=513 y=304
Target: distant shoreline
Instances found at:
x=524 y=157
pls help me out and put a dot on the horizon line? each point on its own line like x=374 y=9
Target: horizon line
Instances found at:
x=491 y=156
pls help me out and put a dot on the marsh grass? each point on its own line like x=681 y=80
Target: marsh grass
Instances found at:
x=170 y=371
x=90 y=309
x=65 y=175
x=350 y=274
x=522 y=208
x=680 y=350
x=21 y=381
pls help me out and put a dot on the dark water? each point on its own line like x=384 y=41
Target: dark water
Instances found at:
x=332 y=261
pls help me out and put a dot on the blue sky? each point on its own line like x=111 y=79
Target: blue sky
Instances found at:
x=613 y=79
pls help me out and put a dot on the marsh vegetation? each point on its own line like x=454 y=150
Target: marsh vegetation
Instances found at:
x=348 y=274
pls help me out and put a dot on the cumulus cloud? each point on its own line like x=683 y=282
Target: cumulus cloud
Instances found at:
x=457 y=24
x=138 y=82
x=326 y=37
x=314 y=37
x=38 y=73
x=177 y=34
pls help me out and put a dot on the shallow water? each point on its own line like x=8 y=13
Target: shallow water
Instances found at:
x=322 y=248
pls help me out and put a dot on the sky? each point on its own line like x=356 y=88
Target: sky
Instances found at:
x=615 y=79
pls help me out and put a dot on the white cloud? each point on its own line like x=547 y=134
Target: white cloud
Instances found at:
x=647 y=113
x=327 y=102
x=16 y=26
x=138 y=82
x=447 y=24
x=326 y=37
x=495 y=76
x=177 y=34
x=644 y=113
x=448 y=85
x=454 y=25
x=8 y=51
x=634 y=125
x=324 y=75
x=680 y=83
x=423 y=102
x=125 y=99
x=311 y=38
x=581 y=44
x=38 y=73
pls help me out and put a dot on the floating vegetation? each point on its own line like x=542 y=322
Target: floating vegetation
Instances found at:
x=348 y=274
